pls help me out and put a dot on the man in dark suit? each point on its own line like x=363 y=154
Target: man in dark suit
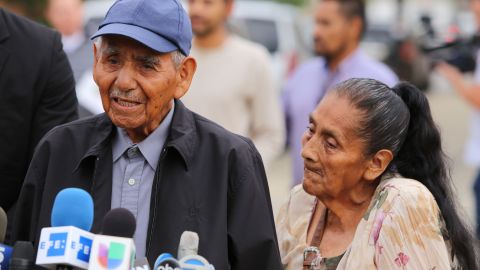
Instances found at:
x=37 y=93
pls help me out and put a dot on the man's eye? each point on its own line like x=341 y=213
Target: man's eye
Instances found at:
x=310 y=129
x=148 y=66
x=112 y=61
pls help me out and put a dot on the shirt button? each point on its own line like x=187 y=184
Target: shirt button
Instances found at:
x=131 y=181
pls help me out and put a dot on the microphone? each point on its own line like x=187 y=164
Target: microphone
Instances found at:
x=23 y=256
x=188 y=244
x=119 y=222
x=3 y=225
x=5 y=251
x=166 y=261
x=195 y=262
x=68 y=242
x=117 y=250
x=141 y=264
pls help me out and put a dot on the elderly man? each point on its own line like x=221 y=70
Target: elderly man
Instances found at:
x=173 y=169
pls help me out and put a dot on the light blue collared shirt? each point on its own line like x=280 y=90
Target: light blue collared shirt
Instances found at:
x=134 y=168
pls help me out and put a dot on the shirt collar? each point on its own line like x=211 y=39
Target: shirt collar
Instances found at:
x=353 y=58
x=151 y=147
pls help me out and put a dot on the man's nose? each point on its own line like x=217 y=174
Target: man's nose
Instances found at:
x=126 y=79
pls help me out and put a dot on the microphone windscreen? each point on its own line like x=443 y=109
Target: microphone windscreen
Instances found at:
x=119 y=222
x=22 y=252
x=188 y=244
x=3 y=225
x=73 y=207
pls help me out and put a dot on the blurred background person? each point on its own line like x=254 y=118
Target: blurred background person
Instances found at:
x=66 y=16
x=338 y=30
x=37 y=94
x=376 y=190
x=233 y=84
x=470 y=91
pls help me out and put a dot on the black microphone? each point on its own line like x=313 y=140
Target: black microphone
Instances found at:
x=118 y=228
x=119 y=222
x=3 y=225
x=23 y=256
x=5 y=251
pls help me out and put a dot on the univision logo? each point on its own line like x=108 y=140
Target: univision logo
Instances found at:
x=110 y=256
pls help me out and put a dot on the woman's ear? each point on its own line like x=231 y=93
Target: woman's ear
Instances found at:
x=378 y=164
x=185 y=73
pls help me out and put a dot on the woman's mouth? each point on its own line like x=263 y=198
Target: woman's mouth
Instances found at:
x=313 y=171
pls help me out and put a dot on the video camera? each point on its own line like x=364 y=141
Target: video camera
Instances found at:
x=455 y=50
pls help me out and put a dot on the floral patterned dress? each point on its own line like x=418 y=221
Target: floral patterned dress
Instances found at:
x=402 y=229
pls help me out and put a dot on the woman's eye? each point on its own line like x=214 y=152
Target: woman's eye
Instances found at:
x=330 y=143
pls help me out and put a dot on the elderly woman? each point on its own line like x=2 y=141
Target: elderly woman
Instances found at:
x=376 y=192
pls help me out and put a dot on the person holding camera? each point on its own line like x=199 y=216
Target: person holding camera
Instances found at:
x=471 y=93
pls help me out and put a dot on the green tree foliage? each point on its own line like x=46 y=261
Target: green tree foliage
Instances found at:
x=293 y=2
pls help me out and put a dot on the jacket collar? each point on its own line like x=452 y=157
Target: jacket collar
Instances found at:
x=103 y=129
x=182 y=135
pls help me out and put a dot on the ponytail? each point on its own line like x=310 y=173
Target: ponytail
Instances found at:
x=399 y=119
x=421 y=158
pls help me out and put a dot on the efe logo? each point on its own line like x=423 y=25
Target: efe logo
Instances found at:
x=56 y=245
x=84 y=249
x=110 y=256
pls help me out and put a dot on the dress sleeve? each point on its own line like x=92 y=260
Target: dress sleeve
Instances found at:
x=408 y=233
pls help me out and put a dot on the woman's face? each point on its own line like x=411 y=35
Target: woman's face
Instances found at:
x=333 y=153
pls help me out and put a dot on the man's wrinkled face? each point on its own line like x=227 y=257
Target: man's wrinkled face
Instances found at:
x=137 y=85
x=208 y=15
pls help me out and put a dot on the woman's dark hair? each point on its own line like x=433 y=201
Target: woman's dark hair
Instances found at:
x=399 y=119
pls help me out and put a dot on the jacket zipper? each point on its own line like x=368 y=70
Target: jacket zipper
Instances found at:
x=154 y=213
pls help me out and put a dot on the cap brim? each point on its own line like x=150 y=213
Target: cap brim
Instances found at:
x=144 y=36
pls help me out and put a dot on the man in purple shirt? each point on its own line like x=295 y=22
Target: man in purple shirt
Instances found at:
x=339 y=26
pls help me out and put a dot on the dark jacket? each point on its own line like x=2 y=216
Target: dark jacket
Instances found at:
x=208 y=180
x=37 y=93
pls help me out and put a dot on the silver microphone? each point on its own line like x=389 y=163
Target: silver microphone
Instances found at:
x=188 y=244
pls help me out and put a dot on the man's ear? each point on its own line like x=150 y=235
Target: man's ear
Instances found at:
x=95 y=52
x=185 y=73
x=378 y=164
x=229 y=6
x=356 y=26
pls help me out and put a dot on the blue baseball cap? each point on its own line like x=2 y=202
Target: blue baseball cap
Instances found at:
x=162 y=25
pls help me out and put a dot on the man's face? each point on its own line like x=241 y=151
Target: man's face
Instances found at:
x=208 y=15
x=475 y=7
x=66 y=15
x=137 y=85
x=333 y=32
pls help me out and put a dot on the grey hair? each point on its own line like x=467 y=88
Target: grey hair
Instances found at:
x=177 y=55
x=385 y=117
